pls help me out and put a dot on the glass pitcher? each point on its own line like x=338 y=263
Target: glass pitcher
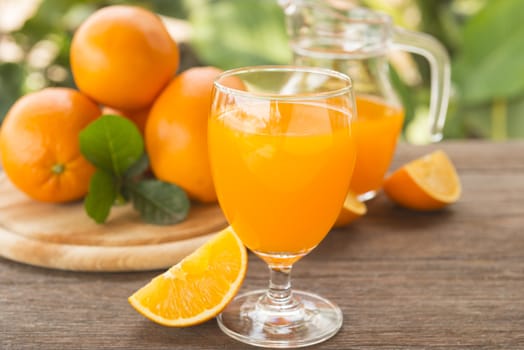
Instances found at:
x=356 y=41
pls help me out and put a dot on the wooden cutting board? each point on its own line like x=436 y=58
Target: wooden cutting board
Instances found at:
x=62 y=236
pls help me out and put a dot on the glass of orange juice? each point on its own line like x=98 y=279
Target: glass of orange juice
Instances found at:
x=282 y=153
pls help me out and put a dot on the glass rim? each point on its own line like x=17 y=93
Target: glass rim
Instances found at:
x=285 y=68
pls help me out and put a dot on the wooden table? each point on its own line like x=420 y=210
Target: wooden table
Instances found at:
x=404 y=280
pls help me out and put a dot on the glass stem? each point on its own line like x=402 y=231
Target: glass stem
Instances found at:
x=279 y=294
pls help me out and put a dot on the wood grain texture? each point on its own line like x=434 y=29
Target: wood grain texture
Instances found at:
x=453 y=279
x=64 y=237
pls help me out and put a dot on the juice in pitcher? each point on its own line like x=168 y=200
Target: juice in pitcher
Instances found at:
x=281 y=184
x=377 y=130
x=357 y=41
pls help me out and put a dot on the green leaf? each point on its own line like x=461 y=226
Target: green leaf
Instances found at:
x=159 y=202
x=490 y=64
x=103 y=190
x=138 y=168
x=112 y=143
x=134 y=174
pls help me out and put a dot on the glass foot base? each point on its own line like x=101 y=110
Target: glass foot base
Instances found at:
x=309 y=320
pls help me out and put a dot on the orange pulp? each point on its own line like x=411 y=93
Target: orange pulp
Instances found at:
x=376 y=130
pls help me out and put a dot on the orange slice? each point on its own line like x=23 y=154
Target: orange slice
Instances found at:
x=427 y=183
x=351 y=210
x=197 y=288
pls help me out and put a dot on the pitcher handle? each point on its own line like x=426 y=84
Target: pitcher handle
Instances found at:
x=437 y=56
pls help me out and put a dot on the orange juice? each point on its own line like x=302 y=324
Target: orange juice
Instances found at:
x=376 y=129
x=281 y=181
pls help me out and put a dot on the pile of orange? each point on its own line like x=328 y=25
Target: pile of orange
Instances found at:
x=123 y=62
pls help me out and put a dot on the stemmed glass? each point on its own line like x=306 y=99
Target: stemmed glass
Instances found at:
x=282 y=154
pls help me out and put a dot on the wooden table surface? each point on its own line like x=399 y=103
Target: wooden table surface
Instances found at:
x=404 y=280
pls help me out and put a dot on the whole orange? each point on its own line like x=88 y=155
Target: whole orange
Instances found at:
x=176 y=133
x=122 y=56
x=39 y=145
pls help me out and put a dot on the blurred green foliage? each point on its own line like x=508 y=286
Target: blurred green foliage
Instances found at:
x=485 y=40
x=231 y=34
x=487 y=52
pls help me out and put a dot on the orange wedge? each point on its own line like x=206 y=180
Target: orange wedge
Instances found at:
x=427 y=183
x=351 y=210
x=197 y=288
